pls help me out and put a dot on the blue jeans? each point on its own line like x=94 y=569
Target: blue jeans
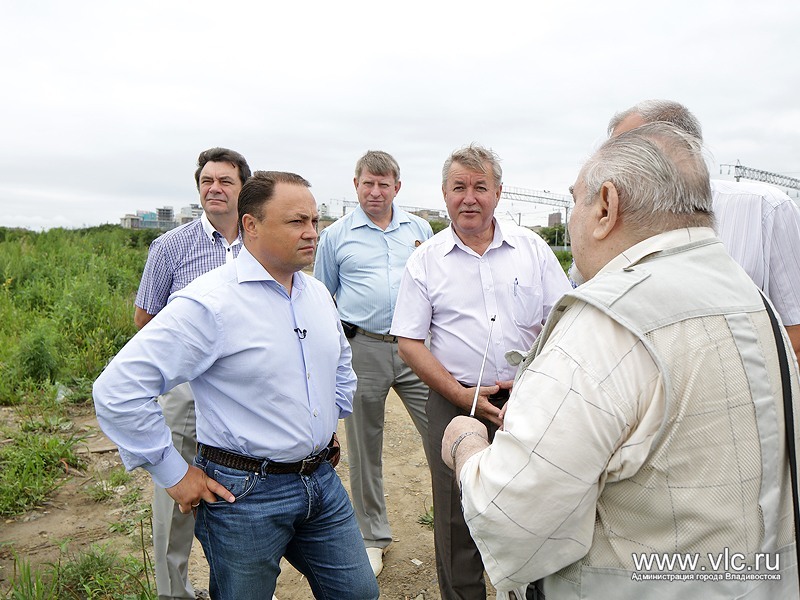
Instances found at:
x=307 y=519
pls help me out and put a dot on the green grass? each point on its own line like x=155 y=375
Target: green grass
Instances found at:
x=66 y=308
x=111 y=486
x=98 y=573
x=564 y=258
x=32 y=465
x=426 y=518
x=66 y=304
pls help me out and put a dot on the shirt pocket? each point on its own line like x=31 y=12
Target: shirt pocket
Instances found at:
x=527 y=305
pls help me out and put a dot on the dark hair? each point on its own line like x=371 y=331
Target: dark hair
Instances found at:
x=259 y=189
x=222 y=155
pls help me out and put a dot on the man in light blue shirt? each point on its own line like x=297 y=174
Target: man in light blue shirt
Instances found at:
x=175 y=259
x=361 y=259
x=269 y=366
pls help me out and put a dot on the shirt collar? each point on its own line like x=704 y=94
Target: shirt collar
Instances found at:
x=655 y=244
x=496 y=242
x=360 y=218
x=209 y=230
x=249 y=269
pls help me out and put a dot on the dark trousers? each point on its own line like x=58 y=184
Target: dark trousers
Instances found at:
x=458 y=562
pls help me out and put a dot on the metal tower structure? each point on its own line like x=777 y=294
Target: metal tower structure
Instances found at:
x=540 y=197
x=514 y=194
x=742 y=172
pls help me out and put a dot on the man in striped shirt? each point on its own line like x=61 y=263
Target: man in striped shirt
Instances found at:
x=175 y=259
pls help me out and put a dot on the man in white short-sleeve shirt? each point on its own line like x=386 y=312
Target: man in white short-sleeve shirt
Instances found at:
x=475 y=281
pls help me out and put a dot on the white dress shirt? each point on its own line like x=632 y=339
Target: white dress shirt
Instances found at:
x=760 y=228
x=451 y=291
x=260 y=390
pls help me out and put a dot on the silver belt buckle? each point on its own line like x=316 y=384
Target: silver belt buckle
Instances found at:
x=309 y=465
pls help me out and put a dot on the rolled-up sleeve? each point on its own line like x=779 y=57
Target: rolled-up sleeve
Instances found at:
x=413 y=311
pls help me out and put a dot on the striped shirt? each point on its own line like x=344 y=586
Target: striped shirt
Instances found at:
x=177 y=257
x=760 y=228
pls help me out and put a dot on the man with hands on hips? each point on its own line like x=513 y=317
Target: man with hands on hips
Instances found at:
x=269 y=366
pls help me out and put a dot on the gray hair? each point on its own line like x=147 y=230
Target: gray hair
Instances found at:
x=474 y=157
x=378 y=162
x=660 y=176
x=668 y=111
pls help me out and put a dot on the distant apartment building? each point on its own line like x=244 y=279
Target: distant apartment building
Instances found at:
x=554 y=219
x=163 y=218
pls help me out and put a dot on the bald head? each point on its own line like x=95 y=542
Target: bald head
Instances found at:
x=653 y=111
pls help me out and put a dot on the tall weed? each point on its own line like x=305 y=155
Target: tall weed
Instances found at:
x=66 y=302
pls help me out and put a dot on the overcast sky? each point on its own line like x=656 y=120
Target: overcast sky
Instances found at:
x=106 y=105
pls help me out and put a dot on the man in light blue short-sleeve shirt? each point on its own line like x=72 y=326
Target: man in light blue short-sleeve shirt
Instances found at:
x=360 y=259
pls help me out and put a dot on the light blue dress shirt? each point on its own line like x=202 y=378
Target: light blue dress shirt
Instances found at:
x=362 y=265
x=259 y=389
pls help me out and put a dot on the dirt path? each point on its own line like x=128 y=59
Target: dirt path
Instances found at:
x=73 y=517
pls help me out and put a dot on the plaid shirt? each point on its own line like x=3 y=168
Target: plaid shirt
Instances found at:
x=179 y=256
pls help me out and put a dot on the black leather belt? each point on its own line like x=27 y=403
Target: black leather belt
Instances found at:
x=240 y=462
x=384 y=337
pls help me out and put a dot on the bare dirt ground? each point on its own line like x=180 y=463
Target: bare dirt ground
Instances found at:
x=71 y=517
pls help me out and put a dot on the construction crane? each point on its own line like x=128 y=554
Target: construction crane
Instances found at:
x=742 y=172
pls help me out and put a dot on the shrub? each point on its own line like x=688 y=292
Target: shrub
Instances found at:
x=37 y=355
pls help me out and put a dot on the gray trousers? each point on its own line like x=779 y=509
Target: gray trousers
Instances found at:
x=379 y=368
x=458 y=562
x=173 y=532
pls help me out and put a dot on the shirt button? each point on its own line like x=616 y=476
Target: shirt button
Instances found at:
x=316 y=412
x=308 y=375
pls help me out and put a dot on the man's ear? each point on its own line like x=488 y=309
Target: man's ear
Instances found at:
x=607 y=211
x=249 y=224
x=355 y=182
